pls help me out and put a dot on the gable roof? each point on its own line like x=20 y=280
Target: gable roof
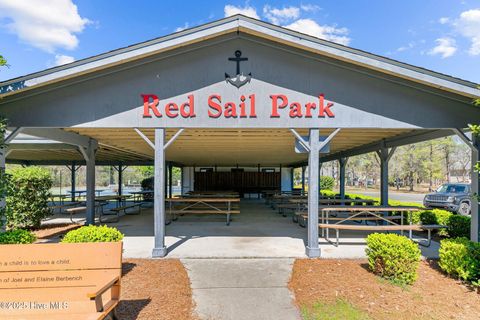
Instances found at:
x=239 y=24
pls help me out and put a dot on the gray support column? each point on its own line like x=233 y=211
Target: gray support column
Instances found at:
x=160 y=250
x=170 y=176
x=475 y=222
x=343 y=165
x=90 y=198
x=73 y=171
x=120 y=179
x=303 y=180
x=384 y=154
x=312 y=249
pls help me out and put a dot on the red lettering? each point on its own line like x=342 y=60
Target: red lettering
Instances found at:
x=295 y=110
x=253 y=113
x=309 y=106
x=322 y=109
x=243 y=113
x=230 y=110
x=187 y=109
x=147 y=105
x=215 y=106
x=276 y=106
x=170 y=108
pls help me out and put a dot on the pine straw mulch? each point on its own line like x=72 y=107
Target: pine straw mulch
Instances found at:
x=49 y=231
x=155 y=289
x=433 y=296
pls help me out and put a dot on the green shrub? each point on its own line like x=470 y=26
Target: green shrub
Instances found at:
x=27 y=197
x=326 y=183
x=147 y=184
x=460 y=257
x=93 y=234
x=393 y=257
x=458 y=226
x=18 y=236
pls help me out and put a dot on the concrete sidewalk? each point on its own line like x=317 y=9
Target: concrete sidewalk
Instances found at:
x=238 y=289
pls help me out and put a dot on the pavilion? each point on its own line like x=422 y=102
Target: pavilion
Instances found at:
x=236 y=92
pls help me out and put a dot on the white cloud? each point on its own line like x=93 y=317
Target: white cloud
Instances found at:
x=444 y=20
x=61 y=59
x=409 y=46
x=46 y=24
x=248 y=11
x=446 y=47
x=469 y=26
x=330 y=33
x=277 y=16
x=310 y=7
x=185 y=26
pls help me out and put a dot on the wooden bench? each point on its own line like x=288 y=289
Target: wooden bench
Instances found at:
x=128 y=206
x=202 y=206
x=75 y=210
x=302 y=218
x=60 y=281
x=380 y=228
x=62 y=206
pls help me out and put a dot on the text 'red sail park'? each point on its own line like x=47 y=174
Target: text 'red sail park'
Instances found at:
x=245 y=107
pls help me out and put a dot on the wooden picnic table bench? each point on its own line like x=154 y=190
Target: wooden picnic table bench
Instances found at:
x=74 y=281
x=363 y=212
x=63 y=206
x=299 y=204
x=75 y=210
x=202 y=206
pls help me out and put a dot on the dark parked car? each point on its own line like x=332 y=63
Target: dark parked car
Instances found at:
x=455 y=197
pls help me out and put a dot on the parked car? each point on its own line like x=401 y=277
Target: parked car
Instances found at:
x=455 y=197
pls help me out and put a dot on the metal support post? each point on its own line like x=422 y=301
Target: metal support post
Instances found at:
x=312 y=249
x=343 y=164
x=159 y=250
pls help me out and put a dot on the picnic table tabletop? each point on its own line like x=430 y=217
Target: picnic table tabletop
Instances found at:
x=112 y=197
x=370 y=208
x=301 y=200
x=225 y=199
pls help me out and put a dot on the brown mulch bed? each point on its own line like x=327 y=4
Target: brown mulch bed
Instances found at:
x=53 y=230
x=155 y=289
x=433 y=296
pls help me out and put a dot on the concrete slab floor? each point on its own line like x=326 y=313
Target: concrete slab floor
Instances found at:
x=237 y=289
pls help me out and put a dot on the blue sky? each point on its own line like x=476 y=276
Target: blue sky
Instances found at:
x=442 y=35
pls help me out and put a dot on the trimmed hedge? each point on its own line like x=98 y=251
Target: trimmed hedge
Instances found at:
x=18 y=236
x=393 y=257
x=93 y=234
x=460 y=258
x=27 y=197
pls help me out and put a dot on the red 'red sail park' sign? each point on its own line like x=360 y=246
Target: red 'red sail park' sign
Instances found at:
x=281 y=106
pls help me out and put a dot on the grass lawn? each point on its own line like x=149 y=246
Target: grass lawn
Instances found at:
x=345 y=289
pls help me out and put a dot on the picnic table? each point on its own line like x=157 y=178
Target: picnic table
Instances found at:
x=364 y=213
x=300 y=204
x=138 y=195
x=182 y=206
x=81 y=192
x=61 y=197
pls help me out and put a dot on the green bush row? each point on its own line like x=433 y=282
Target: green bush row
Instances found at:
x=460 y=258
x=93 y=234
x=393 y=257
x=18 y=236
x=457 y=226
